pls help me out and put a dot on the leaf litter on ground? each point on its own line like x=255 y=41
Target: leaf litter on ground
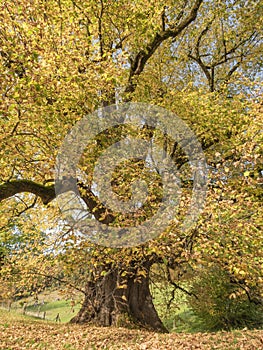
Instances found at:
x=23 y=333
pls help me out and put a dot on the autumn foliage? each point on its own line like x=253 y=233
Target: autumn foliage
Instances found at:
x=202 y=60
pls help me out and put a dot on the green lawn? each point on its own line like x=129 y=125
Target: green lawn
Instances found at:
x=52 y=309
x=50 y=305
x=179 y=317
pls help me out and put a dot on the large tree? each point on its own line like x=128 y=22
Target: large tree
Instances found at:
x=63 y=59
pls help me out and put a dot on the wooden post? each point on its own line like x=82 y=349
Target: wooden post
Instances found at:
x=58 y=318
x=24 y=308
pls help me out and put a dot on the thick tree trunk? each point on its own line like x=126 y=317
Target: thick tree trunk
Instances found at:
x=118 y=300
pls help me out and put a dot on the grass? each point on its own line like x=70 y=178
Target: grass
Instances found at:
x=179 y=317
x=50 y=305
x=52 y=309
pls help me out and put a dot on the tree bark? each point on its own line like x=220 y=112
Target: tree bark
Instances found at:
x=117 y=300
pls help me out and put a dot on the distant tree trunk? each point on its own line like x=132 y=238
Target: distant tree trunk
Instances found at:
x=120 y=298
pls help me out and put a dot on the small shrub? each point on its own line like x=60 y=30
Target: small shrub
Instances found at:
x=221 y=304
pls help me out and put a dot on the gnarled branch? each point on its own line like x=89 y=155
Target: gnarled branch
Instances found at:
x=139 y=61
x=10 y=188
x=47 y=194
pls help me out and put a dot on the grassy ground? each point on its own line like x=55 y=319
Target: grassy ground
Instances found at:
x=49 y=305
x=178 y=317
x=18 y=332
x=52 y=309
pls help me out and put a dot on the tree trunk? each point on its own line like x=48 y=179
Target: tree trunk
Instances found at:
x=120 y=298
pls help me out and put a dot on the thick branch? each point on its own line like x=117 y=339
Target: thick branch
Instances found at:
x=100 y=212
x=142 y=57
x=47 y=194
x=10 y=188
